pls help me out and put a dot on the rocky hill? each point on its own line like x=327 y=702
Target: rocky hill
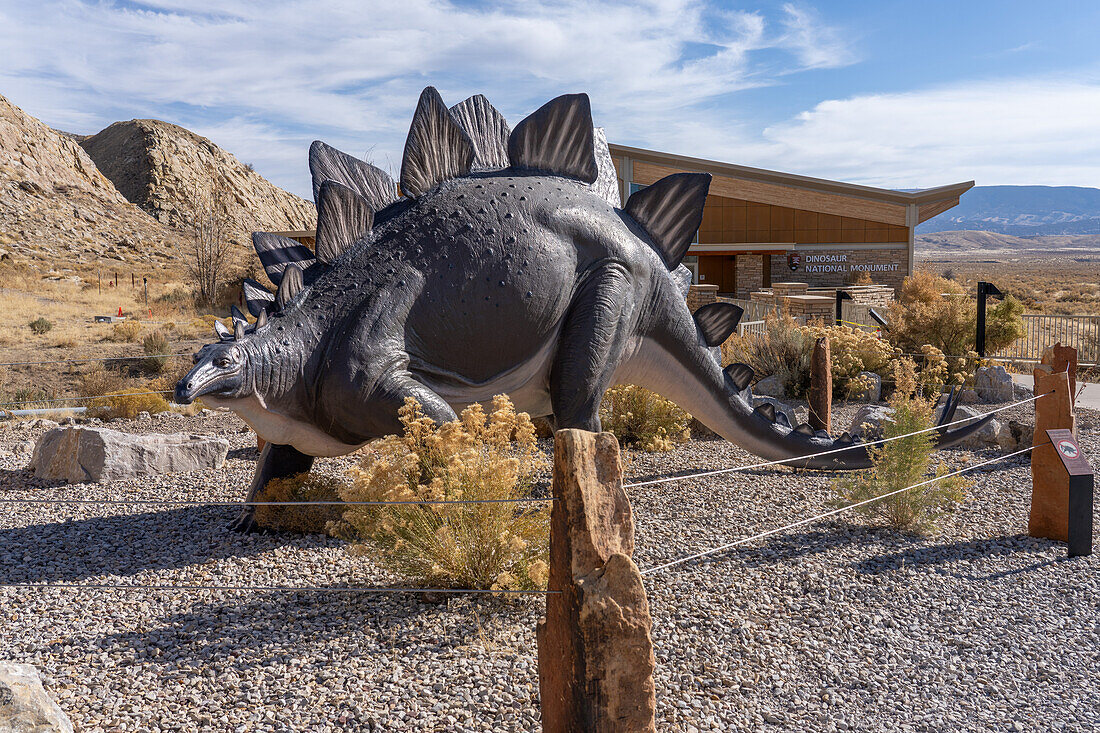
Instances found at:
x=60 y=215
x=1023 y=211
x=160 y=167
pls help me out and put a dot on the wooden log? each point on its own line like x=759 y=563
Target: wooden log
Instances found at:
x=1049 y=516
x=821 y=386
x=595 y=653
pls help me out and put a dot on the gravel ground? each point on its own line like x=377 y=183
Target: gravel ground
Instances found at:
x=836 y=626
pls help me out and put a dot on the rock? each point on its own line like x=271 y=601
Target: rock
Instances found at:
x=1021 y=391
x=985 y=437
x=84 y=454
x=142 y=416
x=780 y=407
x=871 y=388
x=869 y=420
x=39 y=423
x=771 y=386
x=595 y=649
x=1014 y=436
x=25 y=705
x=969 y=397
x=993 y=384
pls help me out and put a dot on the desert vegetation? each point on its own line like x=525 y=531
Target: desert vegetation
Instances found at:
x=643 y=419
x=904 y=462
x=491 y=457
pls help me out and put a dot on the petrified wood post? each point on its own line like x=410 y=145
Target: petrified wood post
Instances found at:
x=595 y=653
x=1049 y=482
x=821 y=386
x=1060 y=358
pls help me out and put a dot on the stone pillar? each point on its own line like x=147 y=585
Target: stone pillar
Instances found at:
x=1049 y=481
x=595 y=652
x=821 y=386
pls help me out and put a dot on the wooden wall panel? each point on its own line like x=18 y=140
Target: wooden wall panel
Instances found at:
x=787 y=196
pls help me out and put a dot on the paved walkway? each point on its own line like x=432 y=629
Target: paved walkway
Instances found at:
x=1089 y=397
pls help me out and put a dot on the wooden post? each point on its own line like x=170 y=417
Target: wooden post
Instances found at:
x=595 y=653
x=821 y=386
x=1062 y=359
x=1049 y=481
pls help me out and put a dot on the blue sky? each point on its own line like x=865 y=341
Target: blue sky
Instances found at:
x=896 y=94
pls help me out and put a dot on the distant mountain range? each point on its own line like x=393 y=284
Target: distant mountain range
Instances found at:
x=1022 y=211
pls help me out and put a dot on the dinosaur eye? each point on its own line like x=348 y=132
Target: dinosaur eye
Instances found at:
x=222 y=362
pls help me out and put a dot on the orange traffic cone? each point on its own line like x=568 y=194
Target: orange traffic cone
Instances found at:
x=120 y=310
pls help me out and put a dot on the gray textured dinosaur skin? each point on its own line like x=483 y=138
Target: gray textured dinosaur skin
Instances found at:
x=511 y=281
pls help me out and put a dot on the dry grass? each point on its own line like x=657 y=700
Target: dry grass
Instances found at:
x=1062 y=285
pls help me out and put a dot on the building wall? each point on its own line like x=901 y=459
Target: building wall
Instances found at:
x=736 y=221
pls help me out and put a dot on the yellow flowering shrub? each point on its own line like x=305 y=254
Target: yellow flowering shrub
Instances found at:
x=643 y=419
x=501 y=545
x=852 y=351
x=302 y=519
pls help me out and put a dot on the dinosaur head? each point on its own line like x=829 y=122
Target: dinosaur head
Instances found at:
x=220 y=371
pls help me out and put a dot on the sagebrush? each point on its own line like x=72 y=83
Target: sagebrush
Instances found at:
x=501 y=545
x=784 y=350
x=157 y=350
x=901 y=463
x=643 y=419
x=304 y=487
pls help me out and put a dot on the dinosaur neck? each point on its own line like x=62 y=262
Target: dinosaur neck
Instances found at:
x=278 y=360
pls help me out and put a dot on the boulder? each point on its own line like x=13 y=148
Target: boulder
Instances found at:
x=969 y=397
x=993 y=384
x=24 y=704
x=1014 y=436
x=771 y=386
x=85 y=454
x=871 y=388
x=985 y=437
x=869 y=420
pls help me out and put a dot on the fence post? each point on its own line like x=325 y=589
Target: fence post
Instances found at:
x=821 y=386
x=1049 y=516
x=594 y=648
x=841 y=296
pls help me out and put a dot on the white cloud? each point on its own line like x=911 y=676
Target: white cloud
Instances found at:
x=1010 y=131
x=263 y=79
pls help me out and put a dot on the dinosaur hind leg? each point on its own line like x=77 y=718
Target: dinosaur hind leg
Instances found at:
x=276 y=461
x=591 y=344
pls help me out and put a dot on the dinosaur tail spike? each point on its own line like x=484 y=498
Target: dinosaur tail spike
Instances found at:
x=670 y=211
x=343 y=218
x=326 y=163
x=437 y=147
x=557 y=139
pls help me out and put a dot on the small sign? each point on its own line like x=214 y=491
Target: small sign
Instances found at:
x=1073 y=458
x=794 y=260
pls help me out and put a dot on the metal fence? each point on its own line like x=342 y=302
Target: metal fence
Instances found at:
x=1042 y=332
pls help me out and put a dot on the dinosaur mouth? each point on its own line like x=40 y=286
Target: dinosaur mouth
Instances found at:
x=205 y=382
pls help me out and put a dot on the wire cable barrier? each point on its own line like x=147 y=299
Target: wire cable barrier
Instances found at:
x=241 y=504
x=736 y=469
x=834 y=512
x=289 y=588
x=82 y=361
x=92 y=397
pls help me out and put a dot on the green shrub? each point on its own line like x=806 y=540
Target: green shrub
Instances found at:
x=500 y=545
x=940 y=312
x=157 y=349
x=40 y=325
x=902 y=463
x=643 y=419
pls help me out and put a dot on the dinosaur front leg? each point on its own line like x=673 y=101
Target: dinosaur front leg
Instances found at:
x=276 y=461
x=592 y=343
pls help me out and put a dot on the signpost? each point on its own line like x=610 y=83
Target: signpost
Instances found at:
x=1080 y=491
x=984 y=290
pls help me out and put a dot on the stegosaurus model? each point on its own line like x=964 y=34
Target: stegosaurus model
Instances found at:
x=505 y=265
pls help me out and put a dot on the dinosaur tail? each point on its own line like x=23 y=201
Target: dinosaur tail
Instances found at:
x=675 y=361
